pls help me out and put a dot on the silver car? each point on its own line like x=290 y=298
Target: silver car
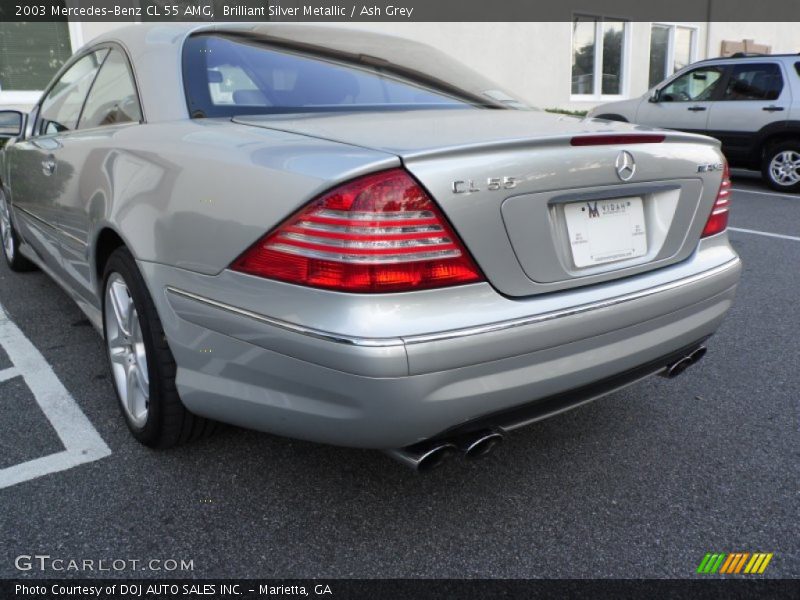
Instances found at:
x=350 y=238
x=751 y=103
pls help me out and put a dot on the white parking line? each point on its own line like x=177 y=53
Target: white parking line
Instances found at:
x=82 y=443
x=760 y=193
x=781 y=236
x=7 y=374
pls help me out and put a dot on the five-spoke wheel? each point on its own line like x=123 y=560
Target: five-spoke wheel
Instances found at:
x=142 y=364
x=781 y=167
x=126 y=350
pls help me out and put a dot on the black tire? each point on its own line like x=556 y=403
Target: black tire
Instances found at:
x=791 y=182
x=168 y=422
x=9 y=240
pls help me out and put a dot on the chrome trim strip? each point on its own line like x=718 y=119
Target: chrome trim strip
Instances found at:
x=293 y=327
x=398 y=215
x=576 y=310
x=313 y=225
x=468 y=331
x=35 y=217
x=363 y=259
x=368 y=244
x=51 y=226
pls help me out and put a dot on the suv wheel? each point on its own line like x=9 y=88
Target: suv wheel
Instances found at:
x=781 y=166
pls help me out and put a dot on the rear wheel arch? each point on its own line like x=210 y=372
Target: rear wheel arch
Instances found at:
x=108 y=240
x=773 y=134
x=777 y=138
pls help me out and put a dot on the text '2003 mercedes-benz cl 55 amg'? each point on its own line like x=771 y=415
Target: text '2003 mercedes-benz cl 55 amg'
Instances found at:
x=353 y=239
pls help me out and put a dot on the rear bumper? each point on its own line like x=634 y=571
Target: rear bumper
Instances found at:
x=245 y=368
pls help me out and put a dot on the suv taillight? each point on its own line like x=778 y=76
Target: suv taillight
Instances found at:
x=378 y=233
x=718 y=219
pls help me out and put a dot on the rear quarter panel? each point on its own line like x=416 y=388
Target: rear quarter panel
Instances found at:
x=196 y=194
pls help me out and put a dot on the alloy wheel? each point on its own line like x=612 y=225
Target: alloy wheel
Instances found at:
x=784 y=168
x=126 y=350
x=6 y=233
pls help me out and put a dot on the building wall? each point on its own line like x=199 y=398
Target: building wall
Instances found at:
x=534 y=60
x=530 y=59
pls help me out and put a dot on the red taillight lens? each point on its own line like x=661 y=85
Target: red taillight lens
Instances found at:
x=718 y=219
x=378 y=233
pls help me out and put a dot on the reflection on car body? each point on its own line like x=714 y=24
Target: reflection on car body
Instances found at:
x=348 y=238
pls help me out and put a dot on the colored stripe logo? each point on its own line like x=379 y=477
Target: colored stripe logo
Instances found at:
x=734 y=563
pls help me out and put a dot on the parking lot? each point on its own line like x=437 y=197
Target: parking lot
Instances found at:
x=640 y=484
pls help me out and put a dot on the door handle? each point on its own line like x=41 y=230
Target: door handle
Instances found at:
x=696 y=108
x=772 y=108
x=49 y=165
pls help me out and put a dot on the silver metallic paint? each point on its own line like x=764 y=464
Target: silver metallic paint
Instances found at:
x=188 y=196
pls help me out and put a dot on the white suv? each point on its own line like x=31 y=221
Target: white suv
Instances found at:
x=751 y=103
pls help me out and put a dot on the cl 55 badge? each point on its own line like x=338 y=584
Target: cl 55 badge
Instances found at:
x=710 y=167
x=492 y=184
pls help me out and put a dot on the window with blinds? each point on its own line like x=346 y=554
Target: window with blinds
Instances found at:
x=31 y=53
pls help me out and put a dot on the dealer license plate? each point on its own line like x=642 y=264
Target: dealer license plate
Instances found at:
x=604 y=231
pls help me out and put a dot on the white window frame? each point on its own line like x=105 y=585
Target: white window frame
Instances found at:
x=31 y=97
x=598 y=60
x=670 y=66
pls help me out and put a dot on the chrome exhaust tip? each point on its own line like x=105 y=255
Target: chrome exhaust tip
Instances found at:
x=677 y=368
x=698 y=354
x=422 y=460
x=673 y=370
x=482 y=444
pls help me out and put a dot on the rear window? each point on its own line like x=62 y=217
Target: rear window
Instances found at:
x=757 y=81
x=228 y=76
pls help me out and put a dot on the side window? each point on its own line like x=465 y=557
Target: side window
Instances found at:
x=62 y=105
x=113 y=97
x=754 y=82
x=697 y=85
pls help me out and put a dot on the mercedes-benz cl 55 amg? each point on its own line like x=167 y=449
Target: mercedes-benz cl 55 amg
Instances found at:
x=351 y=238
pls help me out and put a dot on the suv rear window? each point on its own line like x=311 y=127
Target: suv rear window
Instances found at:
x=228 y=75
x=759 y=81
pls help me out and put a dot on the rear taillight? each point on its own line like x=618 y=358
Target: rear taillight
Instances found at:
x=718 y=219
x=378 y=233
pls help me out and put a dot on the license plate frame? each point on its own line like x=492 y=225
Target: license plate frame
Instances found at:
x=607 y=231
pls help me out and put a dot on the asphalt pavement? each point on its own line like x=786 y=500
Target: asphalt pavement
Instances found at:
x=642 y=483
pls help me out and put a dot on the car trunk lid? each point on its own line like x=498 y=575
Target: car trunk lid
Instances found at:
x=527 y=191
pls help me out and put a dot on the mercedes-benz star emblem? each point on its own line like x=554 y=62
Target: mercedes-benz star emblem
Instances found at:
x=625 y=165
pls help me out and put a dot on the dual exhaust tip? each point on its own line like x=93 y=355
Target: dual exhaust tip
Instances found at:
x=679 y=366
x=427 y=456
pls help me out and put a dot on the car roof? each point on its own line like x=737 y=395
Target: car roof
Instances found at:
x=754 y=57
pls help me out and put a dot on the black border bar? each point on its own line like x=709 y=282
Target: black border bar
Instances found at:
x=417 y=589
x=397 y=10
